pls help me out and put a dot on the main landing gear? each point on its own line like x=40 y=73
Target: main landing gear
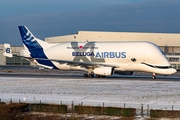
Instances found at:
x=153 y=76
x=100 y=76
x=92 y=75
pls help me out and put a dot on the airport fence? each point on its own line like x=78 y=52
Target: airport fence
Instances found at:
x=143 y=110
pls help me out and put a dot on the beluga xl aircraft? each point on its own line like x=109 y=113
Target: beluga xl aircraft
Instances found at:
x=96 y=58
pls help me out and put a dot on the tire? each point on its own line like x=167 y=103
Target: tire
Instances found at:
x=85 y=75
x=91 y=75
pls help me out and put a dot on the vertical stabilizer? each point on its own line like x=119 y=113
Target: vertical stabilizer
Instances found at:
x=29 y=40
x=35 y=47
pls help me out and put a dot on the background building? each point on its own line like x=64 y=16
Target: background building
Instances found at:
x=169 y=43
x=14 y=60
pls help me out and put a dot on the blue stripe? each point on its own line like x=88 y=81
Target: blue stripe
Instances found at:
x=34 y=47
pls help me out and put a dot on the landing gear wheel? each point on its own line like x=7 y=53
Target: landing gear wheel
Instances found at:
x=98 y=76
x=91 y=75
x=103 y=76
x=85 y=75
x=153 y=76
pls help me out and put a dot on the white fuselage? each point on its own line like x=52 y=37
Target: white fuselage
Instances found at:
x=124 y=56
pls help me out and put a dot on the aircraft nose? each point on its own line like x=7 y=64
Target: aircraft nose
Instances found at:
x=172 y=71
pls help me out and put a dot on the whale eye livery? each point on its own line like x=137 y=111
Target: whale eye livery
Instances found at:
x=96 y=58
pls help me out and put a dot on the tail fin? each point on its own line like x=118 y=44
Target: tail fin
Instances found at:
x=35 y=47
x=7 y=50
x=29 y=40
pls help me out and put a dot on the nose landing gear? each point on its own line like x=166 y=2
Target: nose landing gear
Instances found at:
x=153 y=76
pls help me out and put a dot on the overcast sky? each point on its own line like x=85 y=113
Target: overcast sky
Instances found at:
x=48 y=18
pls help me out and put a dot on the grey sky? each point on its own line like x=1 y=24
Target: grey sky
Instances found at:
x=46 y=18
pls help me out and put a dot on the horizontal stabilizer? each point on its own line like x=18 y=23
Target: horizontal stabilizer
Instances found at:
x=45 y=66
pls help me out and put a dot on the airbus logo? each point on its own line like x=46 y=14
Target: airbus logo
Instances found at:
x=81 y=53
x=101 y=54
x=110 y=55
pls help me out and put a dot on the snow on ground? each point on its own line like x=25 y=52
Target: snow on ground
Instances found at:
x=109 y=91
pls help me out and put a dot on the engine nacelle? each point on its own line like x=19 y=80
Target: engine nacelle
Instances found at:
x=105 y=71
x=123 y=72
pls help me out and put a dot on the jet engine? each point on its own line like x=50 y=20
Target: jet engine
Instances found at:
x=105 y=71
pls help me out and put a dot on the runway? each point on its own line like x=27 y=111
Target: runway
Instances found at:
x=80 y=76
x=34 y=72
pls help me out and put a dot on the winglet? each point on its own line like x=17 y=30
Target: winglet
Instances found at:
x=7 y=50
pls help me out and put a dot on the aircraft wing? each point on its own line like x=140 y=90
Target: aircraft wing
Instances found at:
x=76 y=63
